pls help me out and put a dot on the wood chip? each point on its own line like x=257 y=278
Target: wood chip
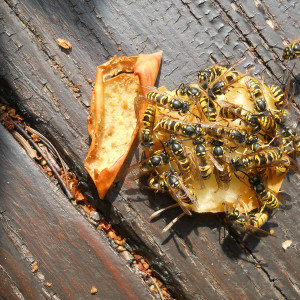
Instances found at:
x=35 y=267
x=286 y=244
x=94 y=290
x=64 y=44
x=76 y=90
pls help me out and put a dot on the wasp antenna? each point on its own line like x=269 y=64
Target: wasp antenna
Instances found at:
x=173 y=222
x=245 y=207
x=236 y=202
x=171 y=168
x=158 y=212
x=162 y=143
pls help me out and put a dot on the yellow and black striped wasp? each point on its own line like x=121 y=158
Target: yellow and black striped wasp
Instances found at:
x=257 y=94
x=155 y=161
x=246 y=222
x=201 y=99
x=254 y=143
x=166 y=100
x=172 y=182
x=292 y=51
x=234 y=112
x=178 y=189
x=147 y=125
x=267 y=197
x=277 y=95
x=201 y=153
x=233 y=134
x=209 y=74
x=224 y=81
x=215 y=81
x=263 y=158
x=184 y=161
x=178 y=127
x=223 y=173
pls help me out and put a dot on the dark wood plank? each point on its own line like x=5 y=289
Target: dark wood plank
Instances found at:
x=39 y=224
x=17 y=279
x=190 y=259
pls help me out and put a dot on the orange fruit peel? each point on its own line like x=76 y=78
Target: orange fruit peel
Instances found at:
x=112 y=123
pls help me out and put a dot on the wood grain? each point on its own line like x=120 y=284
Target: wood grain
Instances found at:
x=195 y=259
x=39 y=224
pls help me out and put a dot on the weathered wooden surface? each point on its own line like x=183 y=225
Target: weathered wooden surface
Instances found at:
x=41 y=225
x=194 y=259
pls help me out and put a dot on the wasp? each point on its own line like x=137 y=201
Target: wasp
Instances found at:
x=147 y=126
x=178 y=189
x=281 y=116
x=157 y=184
x=259 y=219
x=260 y=159
x=158 y=159
x=233 y=112
x=176 y=126
x=201 y=162
x=297 y=147
x=222 y=173
x=219 y=87
x=292 y=51
x=223 y=178
x=184 y=161
x=166 y=100
x=256 y=92
x=245 y=222
x=191 y=90
x=253 y=142
x=266 y=123
x=209 y=74
x=218 y=149
x=267 y=197
x=277 y=95
x=199 y=95
x=202 y=101
x=207 y=107
x=219 y=131
x=226 y=79
x=177 y=150
x=170 y=181
x=201 y=152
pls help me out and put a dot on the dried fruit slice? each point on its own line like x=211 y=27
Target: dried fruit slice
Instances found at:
x=112 y=124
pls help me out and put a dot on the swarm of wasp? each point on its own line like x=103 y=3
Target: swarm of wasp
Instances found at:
x=219 y=144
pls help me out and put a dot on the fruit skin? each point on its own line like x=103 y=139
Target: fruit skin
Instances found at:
x=142 y=71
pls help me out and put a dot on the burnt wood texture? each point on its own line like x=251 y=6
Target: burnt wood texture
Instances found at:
x=196 y=259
